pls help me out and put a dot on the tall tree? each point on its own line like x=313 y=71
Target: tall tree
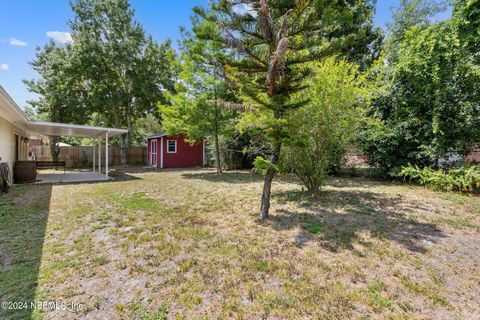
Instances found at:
x=274 y=41
x=427 y=108
x=58 y=91
x=430 y=109
x=467 y=18
x=124 y=72
x=195 y=110
x=408 y=14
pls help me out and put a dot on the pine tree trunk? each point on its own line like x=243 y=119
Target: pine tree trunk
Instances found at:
x=217 y=155
x=267 y=184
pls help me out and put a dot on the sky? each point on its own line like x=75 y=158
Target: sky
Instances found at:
x=28 y=24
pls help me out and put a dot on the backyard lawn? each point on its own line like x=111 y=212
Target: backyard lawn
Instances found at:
x=186 y=244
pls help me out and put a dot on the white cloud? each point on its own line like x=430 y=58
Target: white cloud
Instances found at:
x=4 y=67
x=16 y=42
x=59 y=36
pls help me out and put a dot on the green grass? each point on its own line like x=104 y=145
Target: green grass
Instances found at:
x=315 y=228
x=377 y=300
x=426 y=289
x=458 y=223
x=188 y=244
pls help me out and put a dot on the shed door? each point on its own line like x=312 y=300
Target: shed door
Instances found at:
x=153 y=152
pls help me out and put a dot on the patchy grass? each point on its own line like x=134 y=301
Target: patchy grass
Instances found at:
x=377 y=299
x=185 y=244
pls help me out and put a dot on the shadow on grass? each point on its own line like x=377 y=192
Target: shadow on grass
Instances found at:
x=357 y=182
x=338 y=216
x=243 y=176
x=236 y=177
x=23 y=220
x=126 y=174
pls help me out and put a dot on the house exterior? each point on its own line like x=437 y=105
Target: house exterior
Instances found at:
x=174 y=152
x=13 y=131
x=16 y=128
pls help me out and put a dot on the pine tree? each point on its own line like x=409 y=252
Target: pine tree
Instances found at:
x=274 y=41
x=194 y=110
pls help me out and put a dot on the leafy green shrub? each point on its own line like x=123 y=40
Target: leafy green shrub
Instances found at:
x=426 y=105
x=321 y=130
x=460 y=179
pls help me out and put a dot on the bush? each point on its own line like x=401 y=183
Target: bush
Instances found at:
x=321 y=130
x=426 y=105
x=312 y=159
x=460 y=179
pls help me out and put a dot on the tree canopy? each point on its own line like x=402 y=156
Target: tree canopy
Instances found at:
x=195 y=110
x=111 y=73
x=428 y=108
x=273 y=42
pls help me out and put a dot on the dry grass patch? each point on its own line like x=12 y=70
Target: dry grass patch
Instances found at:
x=185 y=244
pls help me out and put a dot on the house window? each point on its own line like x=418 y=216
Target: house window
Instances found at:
x=171 y=146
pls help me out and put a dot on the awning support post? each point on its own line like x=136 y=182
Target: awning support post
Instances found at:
x=99 y=155
x=106 y=155
x=93 y=154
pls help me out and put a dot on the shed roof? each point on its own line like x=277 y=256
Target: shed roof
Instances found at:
x=157 y=135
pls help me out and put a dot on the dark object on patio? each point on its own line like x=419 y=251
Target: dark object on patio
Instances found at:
x=51 y=164
x=24 y=171
x=4 y=177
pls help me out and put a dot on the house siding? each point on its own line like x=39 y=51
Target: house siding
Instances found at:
x=7 y=143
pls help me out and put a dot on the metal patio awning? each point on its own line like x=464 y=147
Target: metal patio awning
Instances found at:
x=74 y=130
x=63 y=129
x=13 y=114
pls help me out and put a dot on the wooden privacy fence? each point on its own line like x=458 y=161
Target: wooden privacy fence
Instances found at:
x=81 y=156
x=474 y=156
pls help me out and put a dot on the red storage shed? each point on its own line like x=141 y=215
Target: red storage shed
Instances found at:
x=174 y=152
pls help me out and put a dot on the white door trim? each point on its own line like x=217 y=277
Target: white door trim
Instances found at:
x=161 y=153
x=153 y=142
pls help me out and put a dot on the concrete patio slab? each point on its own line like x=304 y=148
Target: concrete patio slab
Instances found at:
x=70 y=177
